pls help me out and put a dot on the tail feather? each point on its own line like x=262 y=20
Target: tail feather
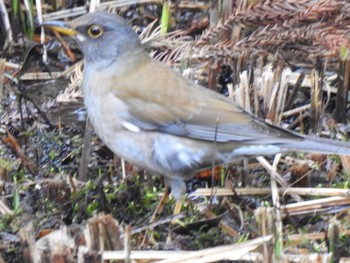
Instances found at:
x=321 y=145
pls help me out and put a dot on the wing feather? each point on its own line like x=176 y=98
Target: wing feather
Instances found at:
x=182 y=108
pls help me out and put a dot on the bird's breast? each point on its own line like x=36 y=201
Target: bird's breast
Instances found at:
x=105 y=112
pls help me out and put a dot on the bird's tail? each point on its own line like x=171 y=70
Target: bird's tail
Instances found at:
x=321 y=145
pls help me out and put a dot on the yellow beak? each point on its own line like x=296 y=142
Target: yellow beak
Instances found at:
x=60 y=26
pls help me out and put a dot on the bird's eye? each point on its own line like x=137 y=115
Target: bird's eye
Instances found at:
x=95 y=31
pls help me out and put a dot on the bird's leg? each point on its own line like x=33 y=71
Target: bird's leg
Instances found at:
x=178 y=206
x=177 y=209
x=160 y=205
x=178 y=189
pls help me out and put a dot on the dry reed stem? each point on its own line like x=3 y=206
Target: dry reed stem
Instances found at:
x=226 y=252
x=303 y=191
x=4 y=209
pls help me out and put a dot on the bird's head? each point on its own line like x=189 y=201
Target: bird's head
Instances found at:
x=102 y=37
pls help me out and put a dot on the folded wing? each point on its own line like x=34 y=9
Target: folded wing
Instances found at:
x=185 y=109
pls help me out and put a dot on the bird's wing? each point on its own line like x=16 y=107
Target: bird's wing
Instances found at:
x=160 y=99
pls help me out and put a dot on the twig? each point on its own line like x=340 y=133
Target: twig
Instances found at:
x=279 y=178
x=14 y=145
x=295 y=111
x=304 y=191
x=230 y=252
x=127 y=245
x=4 y=210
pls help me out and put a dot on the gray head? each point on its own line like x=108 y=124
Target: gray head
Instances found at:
x=102 y=37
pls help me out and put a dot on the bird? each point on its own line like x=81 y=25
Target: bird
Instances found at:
x=158 y=120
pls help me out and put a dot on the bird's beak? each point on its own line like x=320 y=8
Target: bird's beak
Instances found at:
x=61 y=27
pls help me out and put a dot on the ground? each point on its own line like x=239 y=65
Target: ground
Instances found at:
x=46 y=208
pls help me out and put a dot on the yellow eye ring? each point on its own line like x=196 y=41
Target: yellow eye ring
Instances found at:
x=95 y=31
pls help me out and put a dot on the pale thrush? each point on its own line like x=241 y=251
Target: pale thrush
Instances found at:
x=156 y=119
